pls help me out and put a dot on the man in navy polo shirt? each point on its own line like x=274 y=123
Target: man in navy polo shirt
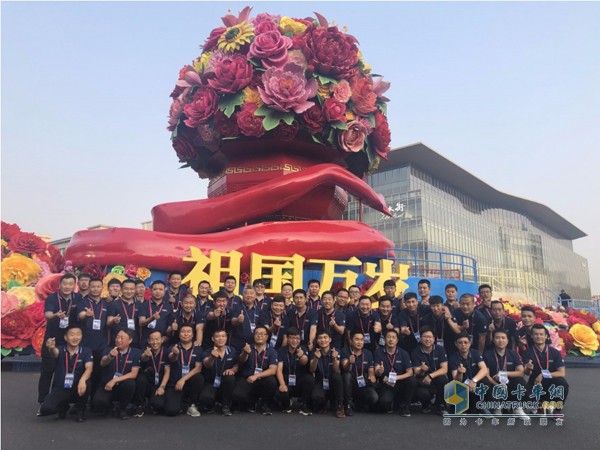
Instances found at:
x=123 y=314
x=229 y=285
x=114 y=290
x=292 y=374
x=358 y=375
x=389 y=286
x=325 y=364
x=83 y=285
x=187 y=314
x=364 y=320
x=430 y=366
x=439 y=320
x=302 y=318
x=152 y=380
x=274 y=318
x=71 y=377
x=156 y=314
x=424 y=290
x=468 y=319
x=342 y=301
x=185 y=381
x=393 y=368
x=313 y=299
x=411 y=318
x=485 y=293
x=525 y=341
x=468 y=367
x=451 y=292
x=262 y=301
x=501 y=322
x=331 y=320
x=60 y=311
x=220 y=365
x=218 y=318
x=287 y=290
x=140 y=291
x=175 y=291
x=257 y=383
x=504 y=367
x=120 y=369
x=545 y=366
x=92 y=312
x=387 y=317
x=245 y=319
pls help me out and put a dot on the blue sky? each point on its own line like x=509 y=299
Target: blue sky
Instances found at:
x=509 y=91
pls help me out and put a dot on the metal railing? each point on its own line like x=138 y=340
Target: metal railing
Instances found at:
x=433 y=264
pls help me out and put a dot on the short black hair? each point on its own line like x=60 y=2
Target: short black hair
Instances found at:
x=424 y=281
x=409 y=295
x=389 y=283
x=435 y=300
x=114 y=281
x=155 y=282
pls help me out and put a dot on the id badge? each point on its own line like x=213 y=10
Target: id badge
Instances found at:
x=302 y=335
x=185 y=370
x=361 y=381
x=64 y=322
x=69 y=378
x=382 y=341
x=96 y=324
x=217 y=382
x=131 y=324
x=117 y=375
x=273 y=341
x=546 y=374
x=291 y=380
x=156 y=379
x=326 y=384
x=392 y=377
x=467 y=381
x=502 y=377
x=152 y=324
x=440 y=342
x=418 y=336
x=257 y=371
x=252 y=327
x=367 y=338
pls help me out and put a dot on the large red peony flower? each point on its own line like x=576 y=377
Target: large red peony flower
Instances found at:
x=226 y=126
x=95 y=270
x=37 y=341
x=232 y=73
x=248 y=123
x=313 y=119
x=35 y=311
x=186 y=151
x=17 y=330
x=363 y=97
x=201 y=108
x=334 y=110
x=586 y=317
x=48 y=285
x=9 y=230
x=286 y=132
x=26 y=243
x=330 y=52
x=381 y=135
x=56 y=258
x=567 y=339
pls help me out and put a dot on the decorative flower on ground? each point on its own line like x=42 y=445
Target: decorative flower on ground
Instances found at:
x=36 y=314
x=287 y=89
x=584 y=338
x=21 y=269
x=37 y=341
x=26 y=243
x=596 y=327
x=131 y=270
x=235 y=37
x=16 y=330
x=26 y=295
x=10 y=303
x=567 y=339
x=143 y=273
x=48 y=285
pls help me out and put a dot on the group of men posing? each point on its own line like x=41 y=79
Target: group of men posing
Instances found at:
x=215 y=351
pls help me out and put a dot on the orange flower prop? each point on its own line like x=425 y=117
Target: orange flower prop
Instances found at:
x=584 y=338
x=143 y=273
x=109 y=277
x=21 y=269
x=25 y=294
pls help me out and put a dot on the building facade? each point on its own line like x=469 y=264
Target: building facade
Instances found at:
x=519 y=245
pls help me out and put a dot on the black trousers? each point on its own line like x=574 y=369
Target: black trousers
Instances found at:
x=546 y=384
x=174 y=400
x=46 y=373
x=397 y=396
x=96 y=371
x=122 y=393
x=426 y=392
x=58 y=400
x=320 y=396
x=145 y=389
x=510 y=387
x=302 y=390
x=211 y=394
x=247 y=394
x=365 y=396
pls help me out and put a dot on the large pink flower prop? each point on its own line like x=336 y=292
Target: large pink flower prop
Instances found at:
x=353 y=139
x=287 y=89
x=232 y=73
x=271 y=48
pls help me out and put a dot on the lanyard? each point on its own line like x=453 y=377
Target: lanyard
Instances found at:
x=535 y=353
x=67 y=358
x=262 y=362
x=392 y=360
x=437 y=322
x=184 y=320
x=124 y=364
x=162 y=305
x=157 y=369
x=501 y=327
x=360 y=321
x=362 y=365
x=498 y=362
x=326 y=325
x=92 y=302
x=291 y=366
x=220 y=372
x=388 y=320
x=410 y=322
x=124 y=304
x=301 y=328
x=432 y=353
x=224 y=320
x=183 y=350
x=248 y=312
x=320 y=363
x=60 y=305
x=468 y=361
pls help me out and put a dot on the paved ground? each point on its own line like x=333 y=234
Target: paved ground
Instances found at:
x=21 y=429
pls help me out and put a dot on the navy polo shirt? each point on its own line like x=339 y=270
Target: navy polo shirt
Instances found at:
x=434 y=359
x=74 y=364
x=203 y=308
x=497 y=363
x=122 y=363
x=94 y=339
x=477 y=324
x=264 y=304
x=125 y=311
x=156 y=363
x=471 y=362
x=229 y=360
x=325 y=365
x=189 y=357
x=486 y=313
x=363 y=363
x=549 y=358
x=523 y=332
x=442 y=331
x=357 y=322
x=266 y=319
x=242 y=332
x=399 y=361
x=291 y=363
x=263 y=360
x=392 y=318
x=54 y=304
x=222 y=322
x=234 y=301
x=414 y=323
x=313 y=304
x=149 y=309
x=510 y=326
x=323 y=320
x=179 y=317
x=303 y=323
x=183 y=289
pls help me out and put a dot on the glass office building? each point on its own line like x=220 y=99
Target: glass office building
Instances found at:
x=519 y=245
